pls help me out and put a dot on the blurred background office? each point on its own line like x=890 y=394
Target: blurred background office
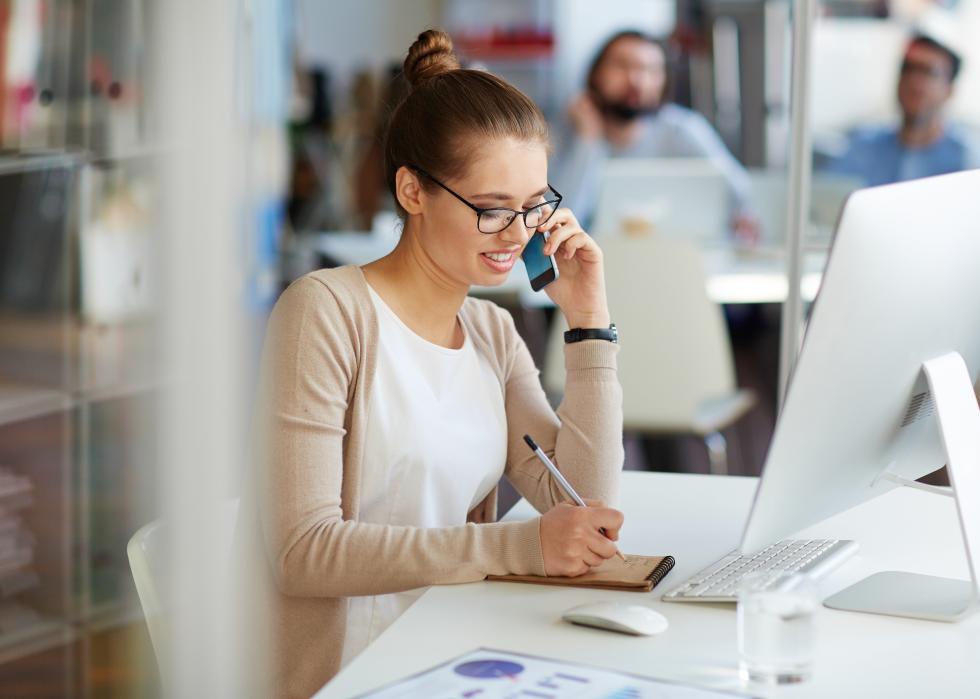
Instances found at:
x=166 y=169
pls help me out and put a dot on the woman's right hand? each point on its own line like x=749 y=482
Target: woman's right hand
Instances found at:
x=570 y=538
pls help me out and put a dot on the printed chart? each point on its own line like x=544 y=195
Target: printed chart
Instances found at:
x=492 y=674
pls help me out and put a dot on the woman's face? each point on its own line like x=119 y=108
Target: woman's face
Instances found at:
x=506 y=173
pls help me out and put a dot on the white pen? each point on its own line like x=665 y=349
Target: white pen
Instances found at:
x=565 y=485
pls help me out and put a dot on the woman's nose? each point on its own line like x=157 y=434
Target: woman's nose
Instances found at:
x=517 y=232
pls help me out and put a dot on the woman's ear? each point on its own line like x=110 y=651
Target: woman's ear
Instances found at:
x=408 y=189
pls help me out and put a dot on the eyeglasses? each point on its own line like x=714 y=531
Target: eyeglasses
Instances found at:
x=924 y=69
x=497 y=219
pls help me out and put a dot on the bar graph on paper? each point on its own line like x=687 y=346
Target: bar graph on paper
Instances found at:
x=492 y=674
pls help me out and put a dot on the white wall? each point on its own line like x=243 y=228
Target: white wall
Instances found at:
x=966 y=102
x=854 y=72
x=856 y=64
x=349 y=34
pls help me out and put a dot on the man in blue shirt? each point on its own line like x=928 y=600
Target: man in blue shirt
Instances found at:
x=623 y=114
x=925 y=144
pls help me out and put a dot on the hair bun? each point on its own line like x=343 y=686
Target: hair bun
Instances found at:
x=431 y=55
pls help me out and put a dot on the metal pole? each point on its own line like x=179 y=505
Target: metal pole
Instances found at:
x=798 y=208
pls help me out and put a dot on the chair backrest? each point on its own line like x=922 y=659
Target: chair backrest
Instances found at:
x=148 y=560
x=675 y=351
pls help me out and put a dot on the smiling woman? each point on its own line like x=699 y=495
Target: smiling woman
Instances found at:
x=393 y=403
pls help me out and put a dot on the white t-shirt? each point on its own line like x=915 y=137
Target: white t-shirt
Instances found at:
x=436 y=445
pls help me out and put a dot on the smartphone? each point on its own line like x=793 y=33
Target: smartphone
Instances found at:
x=541 y=268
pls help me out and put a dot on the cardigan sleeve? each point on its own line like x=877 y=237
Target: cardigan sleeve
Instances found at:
x=309 y=367
x=584 y=438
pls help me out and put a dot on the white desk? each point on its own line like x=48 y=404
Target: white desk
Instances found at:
x=733 y=275
x=697 y=519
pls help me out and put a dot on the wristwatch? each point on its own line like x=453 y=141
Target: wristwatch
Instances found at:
x=609 y=334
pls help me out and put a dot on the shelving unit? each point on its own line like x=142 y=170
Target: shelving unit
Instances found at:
x=78 y=387
x=35 y=445
x=77 y=402
x=36 y=400
x=39 y=637
x=23 y=401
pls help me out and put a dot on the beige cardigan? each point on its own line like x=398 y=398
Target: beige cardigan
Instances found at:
x=318 y=366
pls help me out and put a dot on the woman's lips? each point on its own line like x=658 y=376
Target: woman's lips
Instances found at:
x=504 y=261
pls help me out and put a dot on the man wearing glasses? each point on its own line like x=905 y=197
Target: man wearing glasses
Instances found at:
x=925 y=144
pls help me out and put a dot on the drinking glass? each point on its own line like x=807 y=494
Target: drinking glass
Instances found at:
x=775 y=627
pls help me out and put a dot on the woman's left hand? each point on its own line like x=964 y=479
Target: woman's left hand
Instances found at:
x=580 y=290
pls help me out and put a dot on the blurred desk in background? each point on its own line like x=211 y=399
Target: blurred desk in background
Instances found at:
x=735 y=275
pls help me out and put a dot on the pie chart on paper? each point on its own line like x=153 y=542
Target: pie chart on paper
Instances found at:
x=489 y=669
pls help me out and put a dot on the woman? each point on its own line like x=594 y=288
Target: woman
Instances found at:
x=395 y=402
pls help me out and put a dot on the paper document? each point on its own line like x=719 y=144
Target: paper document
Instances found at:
x=493 y=674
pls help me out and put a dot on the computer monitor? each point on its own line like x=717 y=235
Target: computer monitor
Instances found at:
x=901 y=288
x=768 y=200
x=683 y=197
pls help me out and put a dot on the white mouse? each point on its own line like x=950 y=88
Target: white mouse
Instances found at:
x=626 y=618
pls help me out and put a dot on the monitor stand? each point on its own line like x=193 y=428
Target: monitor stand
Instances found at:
x=926 y=596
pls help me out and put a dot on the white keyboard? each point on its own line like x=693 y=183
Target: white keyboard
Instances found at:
x=719 y=581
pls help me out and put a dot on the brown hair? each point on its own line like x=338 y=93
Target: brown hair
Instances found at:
x=955 y=60
x=450 y=109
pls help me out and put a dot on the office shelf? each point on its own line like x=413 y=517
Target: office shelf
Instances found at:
x=21 y=401
x=116 y=361
x=130 y=388
x=140 y=152
x=114 y=614
x=74 y=393
x=118 y=468
x=17 y=161
x=34 y=638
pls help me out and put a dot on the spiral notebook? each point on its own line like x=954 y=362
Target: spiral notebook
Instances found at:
x=637 y=573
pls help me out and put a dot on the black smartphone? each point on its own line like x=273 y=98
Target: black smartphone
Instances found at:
x=541 y=268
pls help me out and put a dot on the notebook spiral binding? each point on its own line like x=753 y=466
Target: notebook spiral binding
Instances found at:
x=662 y=568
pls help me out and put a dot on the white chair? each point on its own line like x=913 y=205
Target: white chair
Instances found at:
x=675 y=360
x=147 y=551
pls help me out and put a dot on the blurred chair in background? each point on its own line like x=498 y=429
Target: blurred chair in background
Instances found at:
x=675 y=361
x=147 y=554
x=148 y=560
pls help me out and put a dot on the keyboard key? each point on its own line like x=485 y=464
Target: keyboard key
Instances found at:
x=721 y=579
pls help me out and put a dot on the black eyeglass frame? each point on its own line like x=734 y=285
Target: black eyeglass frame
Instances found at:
x=908 y=67
x=480 y=211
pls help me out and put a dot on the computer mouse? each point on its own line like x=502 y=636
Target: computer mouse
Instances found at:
x=633 y=619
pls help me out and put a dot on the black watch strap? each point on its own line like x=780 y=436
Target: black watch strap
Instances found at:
x=609 y=334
